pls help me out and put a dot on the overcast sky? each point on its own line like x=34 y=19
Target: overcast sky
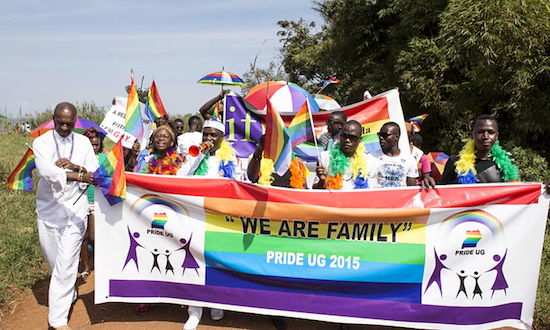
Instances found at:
x=55 y=51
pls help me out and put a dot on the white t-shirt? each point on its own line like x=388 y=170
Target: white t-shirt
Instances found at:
x=187 y=140
x=393 y=171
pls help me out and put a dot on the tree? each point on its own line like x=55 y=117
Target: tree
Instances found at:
x=256 y=76
x=451 y=59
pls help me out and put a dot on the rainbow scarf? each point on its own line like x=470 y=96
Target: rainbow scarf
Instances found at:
x=167 y=165
x=227 y=158
x=339 y=163
x=465 y=165
x=298 y=172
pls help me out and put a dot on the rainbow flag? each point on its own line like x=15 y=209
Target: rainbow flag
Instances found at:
x=277 y=140
x=418 y=119
x=134 y=122
x=154 y=106
x=300 y=128
x=21 y=177
x=159 y=220
x=110 y=176
x=332 y=80
x=217 y=110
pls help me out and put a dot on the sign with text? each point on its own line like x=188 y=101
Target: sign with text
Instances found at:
x=460 y=256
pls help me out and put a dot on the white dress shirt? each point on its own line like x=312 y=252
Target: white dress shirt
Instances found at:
x=55 y=195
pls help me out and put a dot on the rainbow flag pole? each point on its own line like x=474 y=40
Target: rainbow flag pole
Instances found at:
x=313 y=128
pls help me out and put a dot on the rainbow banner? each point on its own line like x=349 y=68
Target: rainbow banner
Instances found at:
x=154 y=106
x=391 y=257
x=21 y=177
x=134 y=121
x=110 y=175
x=332 y=80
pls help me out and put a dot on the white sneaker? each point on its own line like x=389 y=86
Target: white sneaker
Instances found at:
x=216 y=314
x=194 y=319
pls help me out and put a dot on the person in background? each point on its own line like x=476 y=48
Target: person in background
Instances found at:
x=334 y=122
x=130 y=156
x=424 y=166
x=191 y=138
x=89 y=238
x=179 y=126
x=65 y=163
x=207 y=110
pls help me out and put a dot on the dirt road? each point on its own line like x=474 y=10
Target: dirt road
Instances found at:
x=32 y=313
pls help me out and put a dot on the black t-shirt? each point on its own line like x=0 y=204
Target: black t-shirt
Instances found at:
x=487 y=171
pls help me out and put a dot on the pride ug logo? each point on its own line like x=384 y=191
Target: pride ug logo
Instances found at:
x=469 y=253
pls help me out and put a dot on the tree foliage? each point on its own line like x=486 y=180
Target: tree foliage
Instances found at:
x=451 y=59
x=256 y=76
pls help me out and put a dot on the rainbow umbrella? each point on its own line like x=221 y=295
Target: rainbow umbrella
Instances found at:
x=80 y=126
x=438 y=161
x=285 y=96
x=222 y=78
x=326 y=102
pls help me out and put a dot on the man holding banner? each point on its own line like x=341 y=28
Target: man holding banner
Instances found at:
x=346 y=166
x=481 y=159
x=65 y=163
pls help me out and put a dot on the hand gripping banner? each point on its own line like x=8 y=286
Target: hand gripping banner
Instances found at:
x=464 y=256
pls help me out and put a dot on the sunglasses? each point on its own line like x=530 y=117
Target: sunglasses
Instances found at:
x=384 y=135
x=330 y=122
x=352 y=138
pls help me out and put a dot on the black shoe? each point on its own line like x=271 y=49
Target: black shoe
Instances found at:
x=278 y=323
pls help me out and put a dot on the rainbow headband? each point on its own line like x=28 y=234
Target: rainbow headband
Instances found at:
x=465 y=165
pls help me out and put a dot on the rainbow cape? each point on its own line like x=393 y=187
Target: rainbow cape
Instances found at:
x=154 y=106
x=110 y=176
x=277 y=140
x=21 y=177
x=300 y=128
x=134 y=122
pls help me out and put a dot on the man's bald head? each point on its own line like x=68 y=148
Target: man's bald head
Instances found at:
x=64 y=118
x=65 y=107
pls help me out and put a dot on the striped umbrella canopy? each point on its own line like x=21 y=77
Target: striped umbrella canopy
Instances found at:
x=222 y=78
x=285 y=96
x=80 y=126
x=438 y=161
x=326 y=102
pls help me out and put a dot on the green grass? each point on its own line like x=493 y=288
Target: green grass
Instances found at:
x=21 y=261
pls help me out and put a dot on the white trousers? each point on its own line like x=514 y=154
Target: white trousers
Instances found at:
x=61 y=248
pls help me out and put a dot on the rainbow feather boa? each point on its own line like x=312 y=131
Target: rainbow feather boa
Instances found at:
x=465 y=165
x=227 y=158
x=267 y=168
x=339 y=163
x=167 y=165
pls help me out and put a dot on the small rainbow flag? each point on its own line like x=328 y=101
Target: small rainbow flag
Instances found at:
x=472 y=238
x=300 y=128
x=332 y=80
x=416 y=121
x=154 y=106
x=277 y=140
x=134 y=122
x=21 y=177
x=159 y=220
x=217 y=110
x=110 y=176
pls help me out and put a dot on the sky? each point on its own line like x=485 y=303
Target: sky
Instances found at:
x=60 y=50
